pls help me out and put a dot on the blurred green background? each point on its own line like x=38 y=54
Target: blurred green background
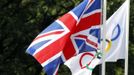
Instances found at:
x=22 y=20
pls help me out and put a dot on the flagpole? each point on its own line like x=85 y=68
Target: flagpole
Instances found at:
x=127 y=38
x=103 y=37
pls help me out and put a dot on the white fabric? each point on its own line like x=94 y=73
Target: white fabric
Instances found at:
x=74 y=64
x=117 y=50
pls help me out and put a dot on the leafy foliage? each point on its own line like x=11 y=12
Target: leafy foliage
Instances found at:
x=22 y=20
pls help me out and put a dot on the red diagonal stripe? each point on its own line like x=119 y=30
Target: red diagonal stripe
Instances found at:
x=52 y=33
x=87 y=40
x=51 y=50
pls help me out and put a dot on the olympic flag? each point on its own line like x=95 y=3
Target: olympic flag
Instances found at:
x=84 y=63
x=116 y=34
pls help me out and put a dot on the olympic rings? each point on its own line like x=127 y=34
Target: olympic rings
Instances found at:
x=108 y=45
x=89 y=68
x=113 y=38
x=82 y=56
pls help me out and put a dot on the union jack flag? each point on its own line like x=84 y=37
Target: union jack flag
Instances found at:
x=75 y=32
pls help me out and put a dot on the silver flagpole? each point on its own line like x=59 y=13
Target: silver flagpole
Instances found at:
x=127 y=38
x=103 y=36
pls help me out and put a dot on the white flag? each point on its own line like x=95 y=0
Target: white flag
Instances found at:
x=83 y=64
x=115 y=37
x=116 y=34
